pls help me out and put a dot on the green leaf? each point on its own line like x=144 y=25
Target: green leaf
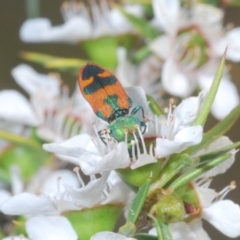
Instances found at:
x=20 y=140
x=54 y=62
x=144 y=2
x=154 y=106
x=145 y=236
x=138 y=201
x=194 y=173
x=174 y=165
x=203 y=114
x=215 y=154
x=103 y=50
x=141 y=54
x=136 y=207
x=141 y=25
x=90 y=221
x=163 y=230
x=218 y=130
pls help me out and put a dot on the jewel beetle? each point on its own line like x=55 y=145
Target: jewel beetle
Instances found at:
x=110 y=102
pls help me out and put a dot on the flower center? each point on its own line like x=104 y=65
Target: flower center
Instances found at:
x=192 y=47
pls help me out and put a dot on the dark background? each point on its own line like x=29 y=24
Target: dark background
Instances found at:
x=12 y=15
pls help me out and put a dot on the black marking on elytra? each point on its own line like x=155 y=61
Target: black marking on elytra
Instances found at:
x=98 y=82
x=91 y=70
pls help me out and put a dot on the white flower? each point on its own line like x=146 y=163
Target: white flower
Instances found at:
x=50 y=184
x=68 y=196
x=15 y=238
x=174 y=133
x=91 y=154
x=79 y=25
x=189 y=63
x=110 y=236
x=15 y=109
x=217 y=145
x=144 y=75
x=94 y=157
x=47 y=228
x=222 y=214
x=59 y=116
x=179 y=231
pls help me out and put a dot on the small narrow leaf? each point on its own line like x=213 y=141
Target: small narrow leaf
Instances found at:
x=215 y=154
x=141 y=25
x=203 y=114
x=20 y=140
x=162 y=229
x=145 y=236
x=141 y=54
x=138 y=201
x=218 y=130
x=129 y=228
x=175 y=164
x=54 y=62
x=194 y=173
x=154 y=106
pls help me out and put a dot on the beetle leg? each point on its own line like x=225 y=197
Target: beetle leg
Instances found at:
x=101 y=133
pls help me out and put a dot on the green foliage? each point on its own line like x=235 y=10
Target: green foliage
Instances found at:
x=89 y=221
x=203 y=114
x=141 y=25
x=71 y=65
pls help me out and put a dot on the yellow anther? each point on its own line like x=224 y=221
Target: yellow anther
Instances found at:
x=76 y=169
x=233 y=184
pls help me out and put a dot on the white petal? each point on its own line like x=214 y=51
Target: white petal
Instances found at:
x=89 y=195
x=138 y=96
x=206 y=195
x=125 y=71
x=72 y=147
x=33 y=82
x=225 y=216
x=143 y=159
x=49 y=228
x=40 y=30
x=4 y=196
x=218 y=144
x=227 y=96
x=16 y=108
x=207 y=16
x=196 y=227
x=181 y=230
x=92 y=163
x=166 y=12
x=15 y=238
x=17 y=184
x=176 y=82
x=119 y=191
x=184 y=138
x=161 y=46
x=28 y=204
x=231 y=41
x=56 y=181
x=109 y=236
x=186 y=112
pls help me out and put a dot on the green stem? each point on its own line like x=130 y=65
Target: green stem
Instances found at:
x=18 y=139
x=194 y=173
x=203 y=114
x=163 y=230
x=32 y=8
x=175 y=165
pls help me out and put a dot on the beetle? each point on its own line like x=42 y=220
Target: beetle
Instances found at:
x=110 y=102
